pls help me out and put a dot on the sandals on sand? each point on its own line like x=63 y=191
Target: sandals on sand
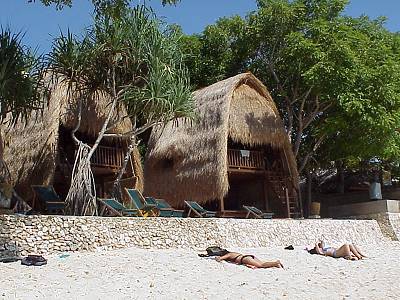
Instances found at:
x=34 y=260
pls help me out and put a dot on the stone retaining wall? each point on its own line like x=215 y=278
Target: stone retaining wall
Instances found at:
x=389 y=223
x=52 y=234
x=394 y=220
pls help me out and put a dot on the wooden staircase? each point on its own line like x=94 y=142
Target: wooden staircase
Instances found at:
x=285 y=192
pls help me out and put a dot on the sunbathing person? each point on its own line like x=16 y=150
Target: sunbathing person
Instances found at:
x=347 y=251
x=248 y=260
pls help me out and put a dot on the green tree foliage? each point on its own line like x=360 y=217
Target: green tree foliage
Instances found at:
x=136 y=60
x=98 y=4
x=133 y=58
x=219 y=52
x=20 y=77
x=367 y=116
x=334 y=78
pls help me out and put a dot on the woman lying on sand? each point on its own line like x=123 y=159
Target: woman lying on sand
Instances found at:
x=248 y=260
x=347 y=251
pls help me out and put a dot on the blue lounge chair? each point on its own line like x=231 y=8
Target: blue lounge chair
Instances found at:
x=165 y=209
x=139 y=202
x=50 y=199
x=117 y=208
x=254 y=211
x=198 y=210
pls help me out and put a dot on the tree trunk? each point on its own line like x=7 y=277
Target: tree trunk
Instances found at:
x=310 y=154
x=340 y=175
x=309 y=191
x=103 y=129
x=117 y=190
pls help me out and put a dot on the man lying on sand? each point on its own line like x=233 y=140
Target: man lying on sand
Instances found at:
x=248 y=260
x=347 y=251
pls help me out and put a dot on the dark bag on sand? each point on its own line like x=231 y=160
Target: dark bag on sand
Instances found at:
x=34 y=260
x=216 y=251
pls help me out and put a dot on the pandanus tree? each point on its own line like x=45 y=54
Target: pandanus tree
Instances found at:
x=21 y=83
x=133 y=58
x=20 y=77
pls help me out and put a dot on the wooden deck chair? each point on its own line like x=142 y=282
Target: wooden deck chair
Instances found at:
x=139 y=202
x=49 y=198
x=199 y=210
x=166 y=210
x=113 y=206
x=254 y=211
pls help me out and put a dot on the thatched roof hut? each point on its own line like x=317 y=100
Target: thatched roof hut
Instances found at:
x=188 y=159
x=31 y=148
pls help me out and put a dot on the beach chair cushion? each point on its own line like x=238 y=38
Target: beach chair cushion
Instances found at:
x=199 y=210
x=166 y=210
x=49 y=197
x=257 y=212
x=178 y=213
x=46 y=193
x=139 y=202
x=119 y=208
x=114 y=204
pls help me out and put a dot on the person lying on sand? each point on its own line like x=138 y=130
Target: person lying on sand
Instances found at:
x=248 y=260
x=347 y=251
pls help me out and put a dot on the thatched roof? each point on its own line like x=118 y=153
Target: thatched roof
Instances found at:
x=188 y=159
x=30 y=148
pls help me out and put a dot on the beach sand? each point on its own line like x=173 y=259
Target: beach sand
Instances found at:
x=177 y=274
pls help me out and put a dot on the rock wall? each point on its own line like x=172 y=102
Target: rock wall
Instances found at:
x=52 y=234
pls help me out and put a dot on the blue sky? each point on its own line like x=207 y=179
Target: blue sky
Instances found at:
x=41 y=23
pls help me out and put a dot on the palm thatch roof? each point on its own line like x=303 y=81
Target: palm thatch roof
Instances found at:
x=31 y=148
x=188 y=159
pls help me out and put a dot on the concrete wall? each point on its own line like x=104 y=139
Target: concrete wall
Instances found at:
x=365 y=208
x=328 y=200
x=52 y=234
x=394 y=220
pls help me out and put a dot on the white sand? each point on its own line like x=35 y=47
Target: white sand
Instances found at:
x=176 y=274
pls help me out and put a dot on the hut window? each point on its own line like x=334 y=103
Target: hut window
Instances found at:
x=167 y=163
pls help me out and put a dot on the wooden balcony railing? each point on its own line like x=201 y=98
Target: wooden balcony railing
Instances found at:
x=108 y=157
x=245 y=159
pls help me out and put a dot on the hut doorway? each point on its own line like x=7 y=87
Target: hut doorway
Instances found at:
x=258 y=176
x=245 y=189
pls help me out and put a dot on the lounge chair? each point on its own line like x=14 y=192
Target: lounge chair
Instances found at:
x=49 y=198
x=139 y=202
x=117 y=208
x=165 y=209
x=254 y=211
x=199 y=210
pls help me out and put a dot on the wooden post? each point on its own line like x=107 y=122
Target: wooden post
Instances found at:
x=287 y=202
x=266 y=192
x=102 y=187
x=299 y=201
x=222 y=204
x=309 y=191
